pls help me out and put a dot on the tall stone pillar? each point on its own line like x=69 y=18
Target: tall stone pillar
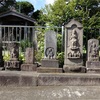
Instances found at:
x=73 y=60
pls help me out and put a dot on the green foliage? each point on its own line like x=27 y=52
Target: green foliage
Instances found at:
x=6 y=56
x=60 y=57
x=24 y=44
x=40 y=38
x=59 y=42
x=6 y=4
x=24 y=7
x=21 y=56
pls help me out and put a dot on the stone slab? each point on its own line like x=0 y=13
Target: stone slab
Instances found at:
x=28 y=67
x=49 y=70
x=68 y=79
x=50 y=63
x=18 y=78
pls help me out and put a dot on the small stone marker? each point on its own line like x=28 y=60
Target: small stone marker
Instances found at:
x=29 y=61
x=93 y=63
x=73 y=61
x=49 y=63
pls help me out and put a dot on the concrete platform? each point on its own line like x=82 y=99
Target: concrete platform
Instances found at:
x=24 y=78
x=50 y=93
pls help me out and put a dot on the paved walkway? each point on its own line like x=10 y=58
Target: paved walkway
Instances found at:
x=50 y=93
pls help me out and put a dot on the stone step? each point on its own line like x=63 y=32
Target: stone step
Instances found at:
x=25 y=78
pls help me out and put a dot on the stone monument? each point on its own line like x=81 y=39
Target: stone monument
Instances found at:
x=73 y=61
x=93 y=63
x=29 y=64
x=13 y=63
x=49 y=63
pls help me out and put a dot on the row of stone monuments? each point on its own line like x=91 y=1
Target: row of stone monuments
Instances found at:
x=73 y=54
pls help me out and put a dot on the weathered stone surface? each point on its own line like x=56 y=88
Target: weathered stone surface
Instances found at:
x=73 y=45
x=28 y=80
x=93 y=66
x=68 y=79
x=50 y=63
x=29 y=64
x=50 y=93
x=23 y=78
x=50 y=50
x=9 y=80
x=18 y=78
x=29 y=56
x=28 y=67
x=49 y=70
x=93 y=50
x=50 y=44
x=13 y=63
x=14 y=51
x=93 y=63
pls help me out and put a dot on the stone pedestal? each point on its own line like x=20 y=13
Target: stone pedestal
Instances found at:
x=93 y=66
x=50 y=63
x=49 y=66
x=12 y=65
x=28 y=67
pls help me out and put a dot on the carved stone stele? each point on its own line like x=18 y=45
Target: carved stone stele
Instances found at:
x=93 y=50
x=73 y=58
x=93 y=63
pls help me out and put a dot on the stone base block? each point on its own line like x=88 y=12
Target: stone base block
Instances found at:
x=74 y=68
x=49 y=70
x=50 y=63
x=28 y=67
x=93 y=66
x=12 y=65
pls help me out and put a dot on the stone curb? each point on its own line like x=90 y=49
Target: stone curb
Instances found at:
x=23 y=78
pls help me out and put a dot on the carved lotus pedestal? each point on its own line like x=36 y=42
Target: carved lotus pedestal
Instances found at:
x=49 y=66
x=93 y=66
x=12 y=65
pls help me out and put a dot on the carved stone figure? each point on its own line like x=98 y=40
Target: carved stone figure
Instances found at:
x=74 y=51
x=49 y=52
x=14 y=52
x=93 y=63
x=93 y=51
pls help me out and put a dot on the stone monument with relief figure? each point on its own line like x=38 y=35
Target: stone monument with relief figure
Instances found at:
x=73 y=60
x=93 y=63
x=49 y=63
